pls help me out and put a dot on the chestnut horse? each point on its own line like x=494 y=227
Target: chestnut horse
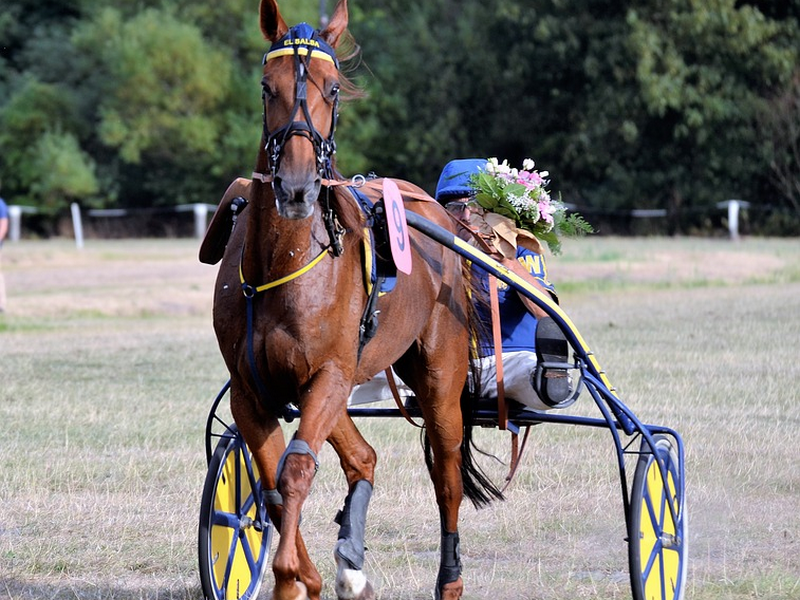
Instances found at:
x=288 y=309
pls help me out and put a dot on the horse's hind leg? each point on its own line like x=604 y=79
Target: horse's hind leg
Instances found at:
x=265 y=440
x=439 y=400
x=358 y=463
x=445 y=443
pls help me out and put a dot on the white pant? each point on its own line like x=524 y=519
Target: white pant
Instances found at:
x=517 y=370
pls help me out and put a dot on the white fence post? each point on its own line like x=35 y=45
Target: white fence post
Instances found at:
x=733 y=207
x=200 y=220
x=77 y=225
x=14 y=223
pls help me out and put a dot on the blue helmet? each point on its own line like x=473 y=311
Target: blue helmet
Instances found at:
x=454 y=180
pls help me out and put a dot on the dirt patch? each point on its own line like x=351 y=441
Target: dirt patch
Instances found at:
x=107 y=278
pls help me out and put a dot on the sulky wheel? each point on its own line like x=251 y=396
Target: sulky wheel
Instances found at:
x=657 y=543
x=235 y=532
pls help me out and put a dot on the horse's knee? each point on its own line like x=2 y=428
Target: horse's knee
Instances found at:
x=365 y=462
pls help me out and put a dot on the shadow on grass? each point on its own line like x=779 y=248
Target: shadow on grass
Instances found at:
x=15 y=589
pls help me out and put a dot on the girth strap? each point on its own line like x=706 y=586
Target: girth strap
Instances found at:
x=263 y=393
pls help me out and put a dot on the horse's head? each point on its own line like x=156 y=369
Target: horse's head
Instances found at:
x=301 y=94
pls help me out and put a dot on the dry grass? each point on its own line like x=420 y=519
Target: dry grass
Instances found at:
x=109 y=365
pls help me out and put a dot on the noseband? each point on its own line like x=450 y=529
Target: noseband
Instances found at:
x=303 y=43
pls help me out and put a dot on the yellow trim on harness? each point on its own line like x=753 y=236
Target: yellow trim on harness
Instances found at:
x=520 y=282
x=301 y=51
x=367 y=247
x=287 y=278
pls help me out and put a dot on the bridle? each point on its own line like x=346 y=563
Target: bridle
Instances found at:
x=303 y=43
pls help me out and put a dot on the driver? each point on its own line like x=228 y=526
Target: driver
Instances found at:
x=528 y=335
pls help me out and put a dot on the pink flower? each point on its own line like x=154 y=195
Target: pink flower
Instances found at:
x=546 y=209
x=530 y=179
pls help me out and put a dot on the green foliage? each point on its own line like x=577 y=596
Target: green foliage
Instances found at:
x=649 y=104
x=64 y=172
x=33 y=136
x=700 y=70
x=164 y=83
x=779 y=121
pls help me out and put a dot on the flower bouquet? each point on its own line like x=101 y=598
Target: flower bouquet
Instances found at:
x=522 y=196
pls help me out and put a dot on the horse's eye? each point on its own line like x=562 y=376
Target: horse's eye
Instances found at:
x=267 y=88
x=334 y=90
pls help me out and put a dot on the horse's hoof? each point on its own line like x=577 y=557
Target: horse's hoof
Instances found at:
x=352 y=584
x=366 y=593
x=301 y=593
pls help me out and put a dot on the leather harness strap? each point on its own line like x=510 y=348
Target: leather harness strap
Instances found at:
x=517 y=451
x=398 y=400
x=502 y=409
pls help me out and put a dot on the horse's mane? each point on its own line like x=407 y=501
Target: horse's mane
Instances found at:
x=344 y=205
x=349 y=54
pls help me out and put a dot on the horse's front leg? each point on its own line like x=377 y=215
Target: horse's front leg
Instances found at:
x=358 y=460
x=321 y=404
x=265 y=440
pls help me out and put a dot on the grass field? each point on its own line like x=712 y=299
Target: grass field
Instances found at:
x=108 y=365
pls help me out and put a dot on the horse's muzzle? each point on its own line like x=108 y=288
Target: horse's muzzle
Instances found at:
x=295 y=199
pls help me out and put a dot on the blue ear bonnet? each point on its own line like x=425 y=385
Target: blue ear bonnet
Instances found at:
x=454 y=182
x=304 y=40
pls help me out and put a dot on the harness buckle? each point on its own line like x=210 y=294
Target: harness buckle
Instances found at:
x=358 y=180
x=248 y=290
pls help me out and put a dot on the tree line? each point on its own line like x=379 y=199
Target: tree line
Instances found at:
x=670 y=104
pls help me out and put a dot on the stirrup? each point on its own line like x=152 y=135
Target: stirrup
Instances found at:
x=551 y=379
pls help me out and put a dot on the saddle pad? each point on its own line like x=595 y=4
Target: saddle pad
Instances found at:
x=376 y=255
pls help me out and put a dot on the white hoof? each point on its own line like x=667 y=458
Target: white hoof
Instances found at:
x=350 y=583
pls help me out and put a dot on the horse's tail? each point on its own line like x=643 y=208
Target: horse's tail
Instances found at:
x=478 y=487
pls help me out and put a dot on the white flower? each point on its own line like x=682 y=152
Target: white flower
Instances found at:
x=498 y=168
x=528 y=164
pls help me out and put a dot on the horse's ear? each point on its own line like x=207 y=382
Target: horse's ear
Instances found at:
x=273 y=27
x=337 y=25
